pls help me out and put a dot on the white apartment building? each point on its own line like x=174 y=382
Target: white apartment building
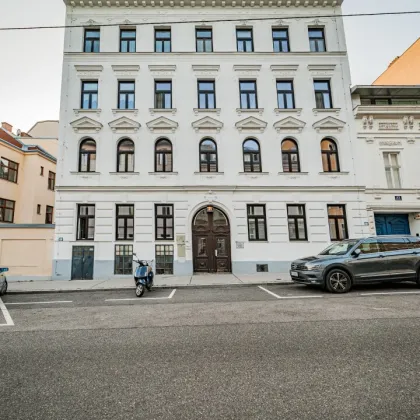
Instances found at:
x=209 y=136
x=388 y=130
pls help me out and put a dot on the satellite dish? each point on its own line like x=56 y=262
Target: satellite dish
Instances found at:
x=18 y=133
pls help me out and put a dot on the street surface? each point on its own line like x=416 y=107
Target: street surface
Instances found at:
x=271 y=352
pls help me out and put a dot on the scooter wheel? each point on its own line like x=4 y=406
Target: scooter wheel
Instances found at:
x=139 y=290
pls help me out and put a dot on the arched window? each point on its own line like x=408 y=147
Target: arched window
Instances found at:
x=330 y=162
x=290 y=156
x=87 y=156
x=208 y=156
x=163 y=156
x=252 y=156
x=125 y=156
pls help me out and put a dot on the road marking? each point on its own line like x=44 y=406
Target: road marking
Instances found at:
x=7 y=317
x=289 y=297
x=389 y=293
x=172 y=294
x=271 y=293
x=140 y=299
x=40 y=303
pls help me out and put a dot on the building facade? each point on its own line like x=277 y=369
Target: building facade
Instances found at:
x=207 y=146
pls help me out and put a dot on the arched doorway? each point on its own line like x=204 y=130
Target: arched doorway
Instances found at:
x=211 y=241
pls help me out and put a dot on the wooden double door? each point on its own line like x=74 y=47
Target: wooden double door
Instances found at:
x=211 y=241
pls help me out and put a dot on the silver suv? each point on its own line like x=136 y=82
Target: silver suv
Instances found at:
x=361 y=261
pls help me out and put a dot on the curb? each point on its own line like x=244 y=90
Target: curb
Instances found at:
x=184 y=286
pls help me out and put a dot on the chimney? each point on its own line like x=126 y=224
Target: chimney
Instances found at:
x=8 y=127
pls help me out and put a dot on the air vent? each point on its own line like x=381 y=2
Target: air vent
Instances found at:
x=262 y=268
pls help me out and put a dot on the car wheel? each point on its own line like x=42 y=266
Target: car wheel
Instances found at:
x=3 y=289
x=418 y=278
x=338 y=281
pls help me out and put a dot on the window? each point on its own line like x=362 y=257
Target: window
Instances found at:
x=281 y=40
x=126 y=95
x=162 y=40
x=125 y=156
x=257 y=227
x=337 y=222
x=296 y=219
x=206 y=94
x=128 y=40
x=252 y=156
x=317 y=40
x=8 y=170
x=204 y=39
x=123 y=259
x=208 y=156
x=371 y=246
x=7 y=211
x=329 y=152
x=285 y=94
x=323 y=96
x=164 y=222
x=163 y=94
x=51 y=181
x=86 y=222
x=244 y=40
x=125 y=222
x=248 y=94
x=394 y=244
x=392 y=169
x=290 y=156
x=38 y=209
x=92 y=40
x=163 y=159
x=87 y=156
x=164 y=259
x=42 y=171
x=49 y=215
x=89 y=95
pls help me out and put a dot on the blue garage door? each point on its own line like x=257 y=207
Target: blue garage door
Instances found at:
x=392 y=224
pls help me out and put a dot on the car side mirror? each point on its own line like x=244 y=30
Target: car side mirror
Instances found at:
x=134 y=254
x=356 y=253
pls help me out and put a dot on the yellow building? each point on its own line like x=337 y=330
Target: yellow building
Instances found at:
x=404 y=70
x=27 y=184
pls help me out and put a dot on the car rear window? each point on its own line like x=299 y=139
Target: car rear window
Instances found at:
x=394 y=244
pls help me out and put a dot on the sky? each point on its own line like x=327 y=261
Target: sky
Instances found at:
x=30 y=63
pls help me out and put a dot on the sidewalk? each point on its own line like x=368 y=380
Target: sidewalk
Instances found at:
x=201 y=280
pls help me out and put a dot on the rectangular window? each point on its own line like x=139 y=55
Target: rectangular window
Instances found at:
x=164 y=221
x=7 y=210
x=337 y=222
x=285 y=94
x=257 y=225
x=297 y=222
x=86 y=222
x=125 y=222
x=42 y=171
x=89 y=95
x=128 y=40
x=204 y=39
x=323 y=95
x=164 y=259
x=206 y=94
x=49 y=215
x=38 y=209
x=123 y=259
x=317 y=39
x=162 y=40
x=244 y=41
x=163 y=94
x=126 y=95
x=248 y=94
x=8 y=170
x=51 y=181
x=392 y=169
x=281 y=40
x=92 y=40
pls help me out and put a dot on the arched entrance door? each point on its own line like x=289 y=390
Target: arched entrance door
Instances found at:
x=211 y=241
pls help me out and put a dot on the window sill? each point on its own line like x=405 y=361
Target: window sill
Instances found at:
x=84 y=173
x=241 y=111
x=254 y=174
x=116 y=111
x=87 y=111
x=334 y=174
x=154 y=111
x=293 y=174
x=163 y=174
x=209 y=174
x=206 y=110
x=125 y=173
x=317 y=111
x=279 y=111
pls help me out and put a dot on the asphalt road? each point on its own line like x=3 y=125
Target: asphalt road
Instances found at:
x=282 y=352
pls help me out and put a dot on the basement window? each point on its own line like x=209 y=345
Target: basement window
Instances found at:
x=262 y=268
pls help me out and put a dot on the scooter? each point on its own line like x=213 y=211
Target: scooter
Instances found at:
x=143 y=277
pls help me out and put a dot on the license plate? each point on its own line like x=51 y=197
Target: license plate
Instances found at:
x=294 y=274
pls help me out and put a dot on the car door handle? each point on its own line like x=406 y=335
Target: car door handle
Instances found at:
x=381 y=256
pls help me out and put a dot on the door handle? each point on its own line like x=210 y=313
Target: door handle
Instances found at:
x=215 y=252
x=381 y=256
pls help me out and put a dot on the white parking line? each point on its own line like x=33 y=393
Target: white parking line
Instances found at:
x=289 y=297
x=389 y=293
x=140 y=299
x=271 y=293
x=172 y=294
x=7 y=317
x=40 y=303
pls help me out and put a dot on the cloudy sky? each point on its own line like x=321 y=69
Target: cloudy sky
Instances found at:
x=30 y=66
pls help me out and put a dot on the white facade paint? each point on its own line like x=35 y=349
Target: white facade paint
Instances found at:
x=186 y=188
